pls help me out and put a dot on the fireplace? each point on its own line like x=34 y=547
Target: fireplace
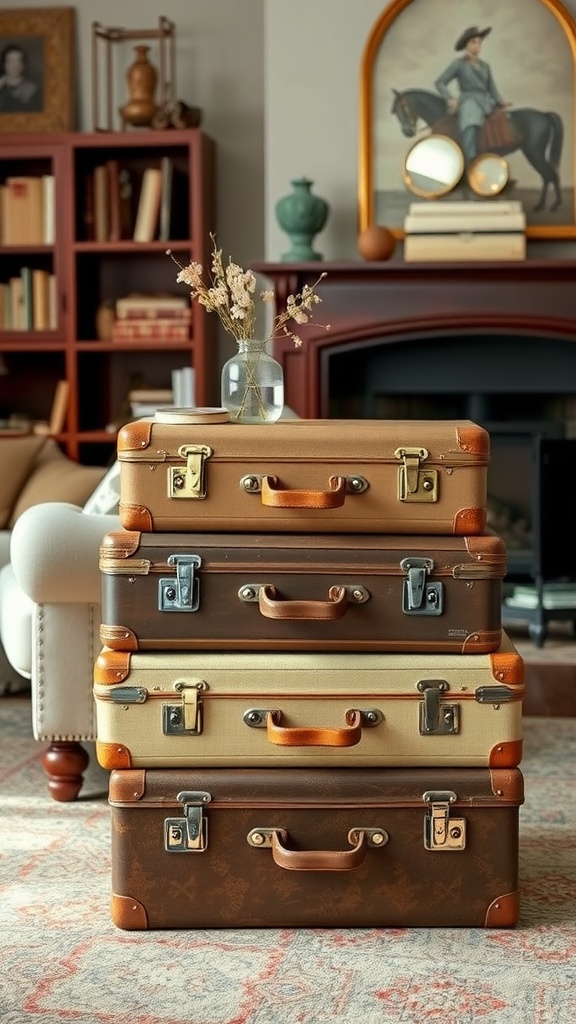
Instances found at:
x=492 y=342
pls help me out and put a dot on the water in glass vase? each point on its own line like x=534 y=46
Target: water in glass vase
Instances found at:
x=252 y=385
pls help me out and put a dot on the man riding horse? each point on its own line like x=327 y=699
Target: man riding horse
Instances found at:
x=479 y=97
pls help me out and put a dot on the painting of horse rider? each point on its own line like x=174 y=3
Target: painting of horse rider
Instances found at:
x=432 y=73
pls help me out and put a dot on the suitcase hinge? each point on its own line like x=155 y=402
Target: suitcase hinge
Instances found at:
x=189 y=482
x=436 y=718
x=494 y=695
x=184 y=719
x=441 y=832
x=190 y=833
x=418 y=596
x=415 y=483
x=180 y=593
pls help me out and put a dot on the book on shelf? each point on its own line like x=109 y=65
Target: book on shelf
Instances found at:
x=145 y=401
x=27 y=299
x=554 y=595
x=101 y=204
x=16 y=299
x=148 y=210
x=126 y=202
x=113 y=174
x=465 y=246
x=49 y=209
x=151 y=328
x=23 y=211
x=167 y=171
x=183 y=387
x=41 y=299
x=149 y=305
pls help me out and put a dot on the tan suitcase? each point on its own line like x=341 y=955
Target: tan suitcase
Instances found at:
x=185 y=709
x=304 y=476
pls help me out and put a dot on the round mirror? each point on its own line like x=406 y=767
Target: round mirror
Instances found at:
x=488 y=174
x=433 y=166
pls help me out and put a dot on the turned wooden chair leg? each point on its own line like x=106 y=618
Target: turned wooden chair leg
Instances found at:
x=64 y=762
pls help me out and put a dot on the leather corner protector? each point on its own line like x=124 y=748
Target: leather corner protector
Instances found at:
x=118 y=638
x=506 y=755
x=113 y=755
x=474 y=439
x=469 y=520
x=504 y=911
x=507 y=667
x=135 y=436
x=111 y=667
x=136 y=517
x=128 y=913
x=126 y=785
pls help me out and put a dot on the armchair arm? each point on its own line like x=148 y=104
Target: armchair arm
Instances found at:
x=54 y=552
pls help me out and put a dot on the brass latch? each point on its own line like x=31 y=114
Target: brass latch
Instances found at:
x=190 y=833
x=180 y=593
x=415 y=483
x=436 y=718
x=441 y=832
x=419 y=596
x=185 y=718
x=189 y=481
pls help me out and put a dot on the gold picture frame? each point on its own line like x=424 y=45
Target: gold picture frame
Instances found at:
x=40 y=44
x=410 y=45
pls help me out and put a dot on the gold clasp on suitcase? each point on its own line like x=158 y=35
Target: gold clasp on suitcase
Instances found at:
x=185 y=718
x=189 y=481
x=190 y=833
x=441 y=832
x=414 y=482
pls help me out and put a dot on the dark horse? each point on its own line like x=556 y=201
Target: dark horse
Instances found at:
x=538 y=135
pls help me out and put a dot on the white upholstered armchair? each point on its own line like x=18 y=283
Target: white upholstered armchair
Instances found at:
x=49 y=627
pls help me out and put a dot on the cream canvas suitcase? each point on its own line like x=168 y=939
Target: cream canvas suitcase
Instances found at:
x=303 y=476
x=185 y=709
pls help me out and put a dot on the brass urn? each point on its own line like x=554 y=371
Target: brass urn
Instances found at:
x=141 y=78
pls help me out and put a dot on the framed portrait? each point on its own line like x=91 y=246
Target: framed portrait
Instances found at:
x=414 y=81
x=37 y=59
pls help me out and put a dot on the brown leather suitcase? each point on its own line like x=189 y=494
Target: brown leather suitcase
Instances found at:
x=332 y=848
x=169 y=591
x=304 y=476
x=161 y=709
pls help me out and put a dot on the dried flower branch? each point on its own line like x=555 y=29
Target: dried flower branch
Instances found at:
x=230 y=293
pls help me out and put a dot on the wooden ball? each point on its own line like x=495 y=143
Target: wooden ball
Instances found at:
x=376 y=243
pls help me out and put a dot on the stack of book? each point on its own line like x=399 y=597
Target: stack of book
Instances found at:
x=467 y=230
x=152 y=318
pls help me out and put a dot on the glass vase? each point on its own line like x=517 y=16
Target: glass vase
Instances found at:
x=252 y=384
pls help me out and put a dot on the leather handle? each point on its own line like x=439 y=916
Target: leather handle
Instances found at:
x=317 y=860
x=271 y=608
x=302 y=736
x=275 y=496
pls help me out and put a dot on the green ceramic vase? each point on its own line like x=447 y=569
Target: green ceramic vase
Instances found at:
x=301 y=215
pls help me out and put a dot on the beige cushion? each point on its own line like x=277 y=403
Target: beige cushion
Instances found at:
x=17 y=456
x=55 y=477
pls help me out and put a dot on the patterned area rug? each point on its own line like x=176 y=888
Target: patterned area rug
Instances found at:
x=63 y=960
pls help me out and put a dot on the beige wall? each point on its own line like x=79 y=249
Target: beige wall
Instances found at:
x=278 y=81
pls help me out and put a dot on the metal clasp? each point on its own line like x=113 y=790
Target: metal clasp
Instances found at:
x=180 y=593
x=441 y=832
x=415 y=483
x=190 y=833
x=185 y=718
x=189 y=481
x=418 y=596
x=436 y=718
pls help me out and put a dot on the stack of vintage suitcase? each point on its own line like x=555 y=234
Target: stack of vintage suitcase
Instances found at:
x=312 y=714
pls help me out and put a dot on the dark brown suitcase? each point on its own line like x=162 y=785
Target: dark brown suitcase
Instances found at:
x=291 y=592
x=329 y=848
x=304 y=476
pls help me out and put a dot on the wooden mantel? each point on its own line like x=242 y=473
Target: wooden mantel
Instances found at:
x=381 y=303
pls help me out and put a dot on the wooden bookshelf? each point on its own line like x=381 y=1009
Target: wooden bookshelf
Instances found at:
x=88 y=258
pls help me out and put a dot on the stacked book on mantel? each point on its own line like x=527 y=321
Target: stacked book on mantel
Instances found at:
x=465 y=231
